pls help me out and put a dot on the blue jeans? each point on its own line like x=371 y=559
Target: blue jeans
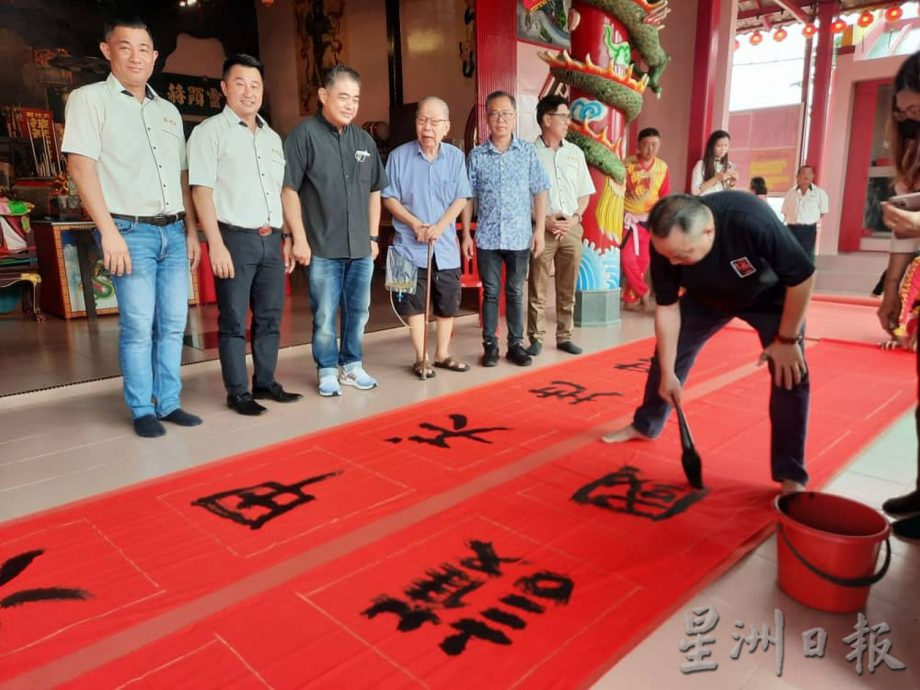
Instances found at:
x=788 y=408
x=490 y=263
x=334 y=283
x=152 y=311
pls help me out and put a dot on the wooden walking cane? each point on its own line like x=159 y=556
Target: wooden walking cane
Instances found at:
x=423 y=371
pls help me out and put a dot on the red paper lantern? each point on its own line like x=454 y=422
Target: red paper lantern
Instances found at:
x=865 y=19
x=756 y=38
x=838 y=26
x=893 y=13
x=780 y=35
x=809 y=30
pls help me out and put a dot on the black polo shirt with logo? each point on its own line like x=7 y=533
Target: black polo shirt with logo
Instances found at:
x=754 y=258
x=334 y=174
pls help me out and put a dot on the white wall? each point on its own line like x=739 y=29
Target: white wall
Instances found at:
x=198 y=57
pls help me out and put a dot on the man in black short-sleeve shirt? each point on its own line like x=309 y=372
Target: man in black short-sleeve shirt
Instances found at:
x=331 y=198
x=733 y=258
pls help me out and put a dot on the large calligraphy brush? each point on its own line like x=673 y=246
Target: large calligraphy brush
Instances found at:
x=689 y=458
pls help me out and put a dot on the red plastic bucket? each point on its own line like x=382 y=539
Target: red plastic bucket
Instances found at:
x=827 y=549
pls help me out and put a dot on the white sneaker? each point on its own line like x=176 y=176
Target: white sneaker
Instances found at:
x=357 y=377
x=329 y=386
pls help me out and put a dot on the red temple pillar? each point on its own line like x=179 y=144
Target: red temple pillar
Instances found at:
x=817 y=123
x=702 y=102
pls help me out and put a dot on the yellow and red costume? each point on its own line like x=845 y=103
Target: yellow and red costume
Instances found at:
x=646 y=183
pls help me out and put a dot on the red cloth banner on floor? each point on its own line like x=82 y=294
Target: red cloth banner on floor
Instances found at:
x=484 y=539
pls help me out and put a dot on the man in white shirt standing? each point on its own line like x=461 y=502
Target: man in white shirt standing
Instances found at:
x=570 y=190
x=803 y=207
x=126 y=152
x=236 y=170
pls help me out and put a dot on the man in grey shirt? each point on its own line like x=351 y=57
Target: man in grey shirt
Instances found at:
x=331 y=199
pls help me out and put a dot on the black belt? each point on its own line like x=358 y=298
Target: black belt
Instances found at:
x=802 y=225
x=151 y=220
x=263 y=231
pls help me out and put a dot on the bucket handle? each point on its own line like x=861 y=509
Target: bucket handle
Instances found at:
x=842 y=581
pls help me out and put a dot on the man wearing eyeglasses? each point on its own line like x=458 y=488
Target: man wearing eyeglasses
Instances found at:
x=428 y=190
x=510 y=187
x=803 y=207
x=571 y=189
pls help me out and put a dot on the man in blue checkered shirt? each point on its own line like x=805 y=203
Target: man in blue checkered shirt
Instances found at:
x=510 y=188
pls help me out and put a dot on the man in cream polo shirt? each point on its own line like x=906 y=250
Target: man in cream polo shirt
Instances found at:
x=236 y=169
x=803 y=207
x=126 y=152
x=570 y=191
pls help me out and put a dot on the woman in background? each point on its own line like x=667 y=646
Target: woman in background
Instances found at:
x=714 y=172
x=905 y=241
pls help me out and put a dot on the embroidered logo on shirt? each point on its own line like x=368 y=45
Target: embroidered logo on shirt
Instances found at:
x=362 y=155
x=743 y=267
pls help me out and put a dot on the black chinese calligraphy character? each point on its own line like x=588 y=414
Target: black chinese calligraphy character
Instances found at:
x=443 y=589
x=459 y=422
x=641 y=366
x=486 y=560
x=574 y=392
x=546 y=584
x=15 y=566
x=470 y=628
x=253 y=506
x=446 y=587
x=410 y=617
x=636 y=495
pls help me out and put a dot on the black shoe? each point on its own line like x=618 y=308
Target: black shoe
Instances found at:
x=489 y=355
x=149 y=426
x=909 y=528
x=903 y=505
x=182 y=418
x=518 y=355
x=536 y=347
x=570 y=347
x=275 y=392
x=244 y=404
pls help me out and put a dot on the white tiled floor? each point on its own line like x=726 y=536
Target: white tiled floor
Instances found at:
x=90 y=448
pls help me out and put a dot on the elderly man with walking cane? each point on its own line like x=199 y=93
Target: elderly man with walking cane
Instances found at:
x=428 y=189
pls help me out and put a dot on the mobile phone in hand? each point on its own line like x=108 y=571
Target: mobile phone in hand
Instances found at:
x=906 y=202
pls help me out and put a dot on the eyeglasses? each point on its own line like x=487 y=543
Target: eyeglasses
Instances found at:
x=565 y=116
x=425 y=121
x=909 y=114
x=501 y=115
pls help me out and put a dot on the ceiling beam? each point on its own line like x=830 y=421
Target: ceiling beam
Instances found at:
x=793 y=9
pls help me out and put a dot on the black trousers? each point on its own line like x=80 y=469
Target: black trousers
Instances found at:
x=788 y=408
x=258 y=283
x=807 y=236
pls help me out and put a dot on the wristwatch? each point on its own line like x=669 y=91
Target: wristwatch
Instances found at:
x=287 y=235
x=783 y=340
x=375 y=238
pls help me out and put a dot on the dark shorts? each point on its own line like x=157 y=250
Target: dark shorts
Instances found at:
x=445 y=293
